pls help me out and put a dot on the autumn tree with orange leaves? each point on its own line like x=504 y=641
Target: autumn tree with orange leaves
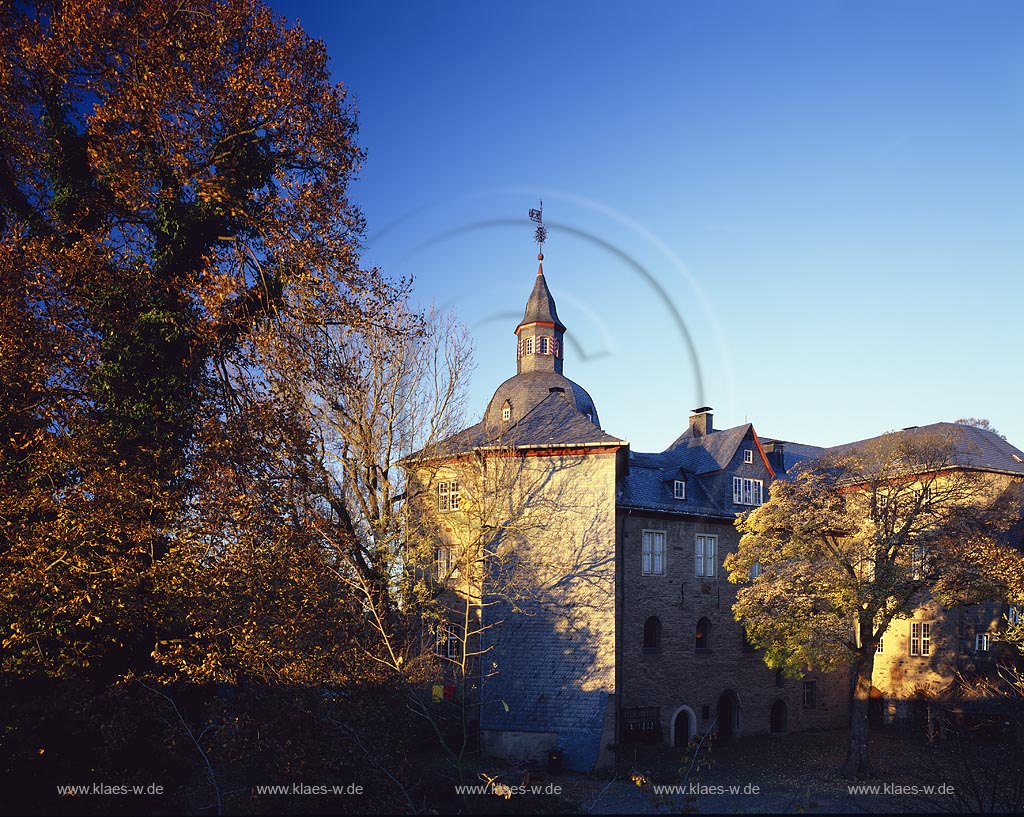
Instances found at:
x=175 y=233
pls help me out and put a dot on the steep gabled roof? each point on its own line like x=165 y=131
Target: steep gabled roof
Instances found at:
x=648 y=485
x=702 y=454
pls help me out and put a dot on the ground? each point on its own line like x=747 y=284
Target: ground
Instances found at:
x=769 y=774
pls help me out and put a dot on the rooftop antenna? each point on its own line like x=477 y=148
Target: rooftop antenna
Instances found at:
x=540 y=235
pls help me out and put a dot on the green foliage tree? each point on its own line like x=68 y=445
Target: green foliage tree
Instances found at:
x=864 y=535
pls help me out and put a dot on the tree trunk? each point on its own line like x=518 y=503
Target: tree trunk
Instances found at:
x=858 y=764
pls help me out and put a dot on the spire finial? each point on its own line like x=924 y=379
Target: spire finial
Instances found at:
x=540 y=235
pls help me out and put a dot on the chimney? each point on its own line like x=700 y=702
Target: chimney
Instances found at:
x=700 y=421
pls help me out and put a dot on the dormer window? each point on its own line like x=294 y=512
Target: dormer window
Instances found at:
x=506 y=411
x=679 y=489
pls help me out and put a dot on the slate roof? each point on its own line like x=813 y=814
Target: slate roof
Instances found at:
x=649 y=483
x=976 y=448
x=793 y=453
x=527 y=390
x=553 y=422
x=540 y=307
x=649 y=486
x=707 y=452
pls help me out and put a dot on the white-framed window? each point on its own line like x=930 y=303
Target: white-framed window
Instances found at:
x=528 y=346
x=653 y=561
x=679 y=489
x=982 y=642
x=447 y=642
x=705 y=551
x=543 y=346
x=506 y=411
x=755 y=570
x=920 y=638
x=443 y=562
x=748 y=455
x=810 y=694
x=448 y=495
x=747 y=491
x=881 y=645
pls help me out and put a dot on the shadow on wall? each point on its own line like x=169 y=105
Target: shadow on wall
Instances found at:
x=549 y=652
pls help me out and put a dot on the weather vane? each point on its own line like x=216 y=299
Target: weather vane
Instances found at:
x=540 y=235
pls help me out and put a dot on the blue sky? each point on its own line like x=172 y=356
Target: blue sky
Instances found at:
x=806 y=215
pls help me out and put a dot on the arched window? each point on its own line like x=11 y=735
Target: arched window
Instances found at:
x=652 y=633
x=704 y=634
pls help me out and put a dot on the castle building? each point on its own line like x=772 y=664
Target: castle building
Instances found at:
x=929 y=660
x=600 y=610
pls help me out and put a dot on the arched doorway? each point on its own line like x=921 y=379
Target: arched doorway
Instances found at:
x=728 y=715
x=778 y=717
x=683 y=726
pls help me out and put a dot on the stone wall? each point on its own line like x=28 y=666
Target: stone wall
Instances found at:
x=677 y=677
x=549 y=637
